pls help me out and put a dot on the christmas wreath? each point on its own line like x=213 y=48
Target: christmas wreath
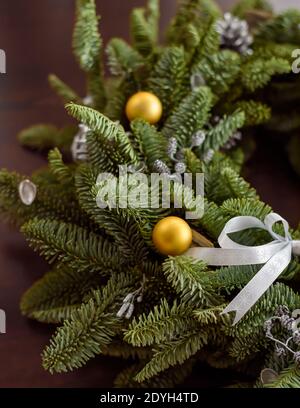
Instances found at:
x=142 y=282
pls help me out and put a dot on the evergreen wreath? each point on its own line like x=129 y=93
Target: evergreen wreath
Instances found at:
x=102 y=259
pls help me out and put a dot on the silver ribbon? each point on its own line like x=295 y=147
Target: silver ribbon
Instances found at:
x=276 y=255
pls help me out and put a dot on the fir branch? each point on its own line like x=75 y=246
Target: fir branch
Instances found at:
x=169 y=78
x=152 y=143
x=255 y=112
x=190 y=116
x=191 y=280
x=66 y=93
x=45 y=137
x=124 y=231
x=159 y=325
x=219 y=70
x=174 y=352
x=144 y=28
x=90 y=327
x=256 y=74
x=106 y=130
x=219 y=135
x=287 y=378
x=54 y=297
x=59 y=169
x=71 y=245
x=87 y=43
x=122 y=58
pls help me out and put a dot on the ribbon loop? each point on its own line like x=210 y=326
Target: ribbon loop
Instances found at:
x=276 y=256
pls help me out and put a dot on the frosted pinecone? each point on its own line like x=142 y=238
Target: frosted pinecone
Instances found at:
x=297 y=357
x=172 y=147
x=198 y=138
x=160 y=167
x=235 y=34
x=180 y=167
x=237 y=136
x=280 y=351
x=296 y=337
x=268 y=325
x=286 y=322
x=282 y=310
x=79 y=146
x=208 y=156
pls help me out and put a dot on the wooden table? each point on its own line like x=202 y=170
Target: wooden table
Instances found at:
x=37 y=39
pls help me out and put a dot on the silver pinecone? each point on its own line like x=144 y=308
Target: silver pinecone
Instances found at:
x=235 y=34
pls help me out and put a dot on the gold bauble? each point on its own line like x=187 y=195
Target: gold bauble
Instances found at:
x=172 y=236
x=144 y=105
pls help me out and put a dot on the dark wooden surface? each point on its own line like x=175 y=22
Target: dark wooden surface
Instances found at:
x=36 y=36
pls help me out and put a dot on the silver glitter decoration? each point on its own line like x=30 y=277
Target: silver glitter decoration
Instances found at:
x=180 y=167
x=160 y=167
x=286 y=346
x=79 y=147
x=127 y=308
x=235 y=34
x=88 y=100
x=197 y=80
x=208 y=156
x=172 y=147
x=198 y=139
x=27 y=192
x=237 y=136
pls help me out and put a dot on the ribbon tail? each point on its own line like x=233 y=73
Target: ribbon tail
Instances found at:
x=259 y=284
x=238 y=315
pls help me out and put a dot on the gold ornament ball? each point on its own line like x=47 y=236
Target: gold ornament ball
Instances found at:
x=144 y=105
x=172 y=236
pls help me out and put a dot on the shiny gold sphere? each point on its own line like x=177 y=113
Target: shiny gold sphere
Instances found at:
x=172 y=236
x=144 y=105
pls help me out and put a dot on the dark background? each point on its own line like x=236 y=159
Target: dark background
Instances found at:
x=36 y=36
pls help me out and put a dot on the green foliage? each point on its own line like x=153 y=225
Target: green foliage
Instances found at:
x=90 y=327
x=173 y=352
x=110 y=135
x=192 y=281
x=66 y=93
x=244 y=6
x=288 y=378
x=87 y=42
x=45 y=137
x=87 y=47
x=72 y=245
x=255 y=112
x=152 y=143
x=283 y=28
x=169 y=78
x=144 y=28
x=257 y=73
x=220 y=70
x=53 y=298
x=56 y=165
x=122 y=58
x=101 y=256
x=161 y=324
x=223 y=131
x=190 y=116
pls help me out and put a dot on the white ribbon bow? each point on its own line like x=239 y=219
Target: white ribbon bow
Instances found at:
x=276 y=256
